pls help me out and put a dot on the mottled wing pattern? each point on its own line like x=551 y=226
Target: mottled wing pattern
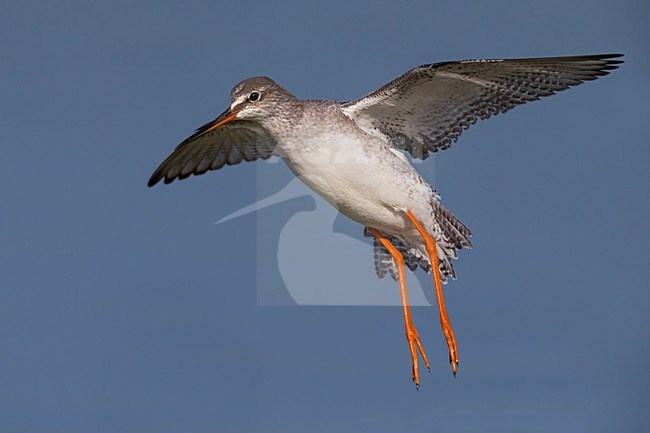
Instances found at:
x=426 y=109
x=211 y=149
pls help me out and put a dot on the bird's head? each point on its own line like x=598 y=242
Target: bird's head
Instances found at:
x=257 y=98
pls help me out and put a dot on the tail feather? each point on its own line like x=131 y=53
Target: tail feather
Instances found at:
x=455 y=236
x=384 y=261
x=454 y=231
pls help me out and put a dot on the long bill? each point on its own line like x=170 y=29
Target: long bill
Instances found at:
x=225 y=117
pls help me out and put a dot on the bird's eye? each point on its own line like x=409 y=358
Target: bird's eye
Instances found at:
x=254 y=96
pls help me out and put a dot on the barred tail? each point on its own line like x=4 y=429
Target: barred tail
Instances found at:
x=455 y=236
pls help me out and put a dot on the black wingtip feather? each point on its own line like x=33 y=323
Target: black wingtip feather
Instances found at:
x=155 y=178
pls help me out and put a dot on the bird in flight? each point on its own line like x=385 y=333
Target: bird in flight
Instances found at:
x=353 y=153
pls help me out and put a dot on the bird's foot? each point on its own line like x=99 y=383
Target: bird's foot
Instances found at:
x=451 y=344
x=415 y=345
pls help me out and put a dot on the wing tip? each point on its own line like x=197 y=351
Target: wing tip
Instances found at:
x=155 y=178
x=159 y=175
x=610 y=60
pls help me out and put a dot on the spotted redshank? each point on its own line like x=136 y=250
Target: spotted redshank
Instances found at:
x=352 y=153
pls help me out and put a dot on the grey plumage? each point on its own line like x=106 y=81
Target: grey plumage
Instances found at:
x=229 y=144
x=427 y=108
x=422 y=111
x=347 y=153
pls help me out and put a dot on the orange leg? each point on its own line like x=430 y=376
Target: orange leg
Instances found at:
x=444 y=318
x=411 y=333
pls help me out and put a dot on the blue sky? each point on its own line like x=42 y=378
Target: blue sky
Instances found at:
x=124 y=308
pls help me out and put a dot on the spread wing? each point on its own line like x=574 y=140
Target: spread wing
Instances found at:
x=427 y=109
x=211 y=148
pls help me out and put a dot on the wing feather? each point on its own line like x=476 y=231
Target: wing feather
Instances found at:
x=230 y=144
x=428 y=108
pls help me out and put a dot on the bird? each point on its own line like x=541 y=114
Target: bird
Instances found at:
x=354 y=154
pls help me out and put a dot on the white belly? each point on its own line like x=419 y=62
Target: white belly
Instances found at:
x=369 y=184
